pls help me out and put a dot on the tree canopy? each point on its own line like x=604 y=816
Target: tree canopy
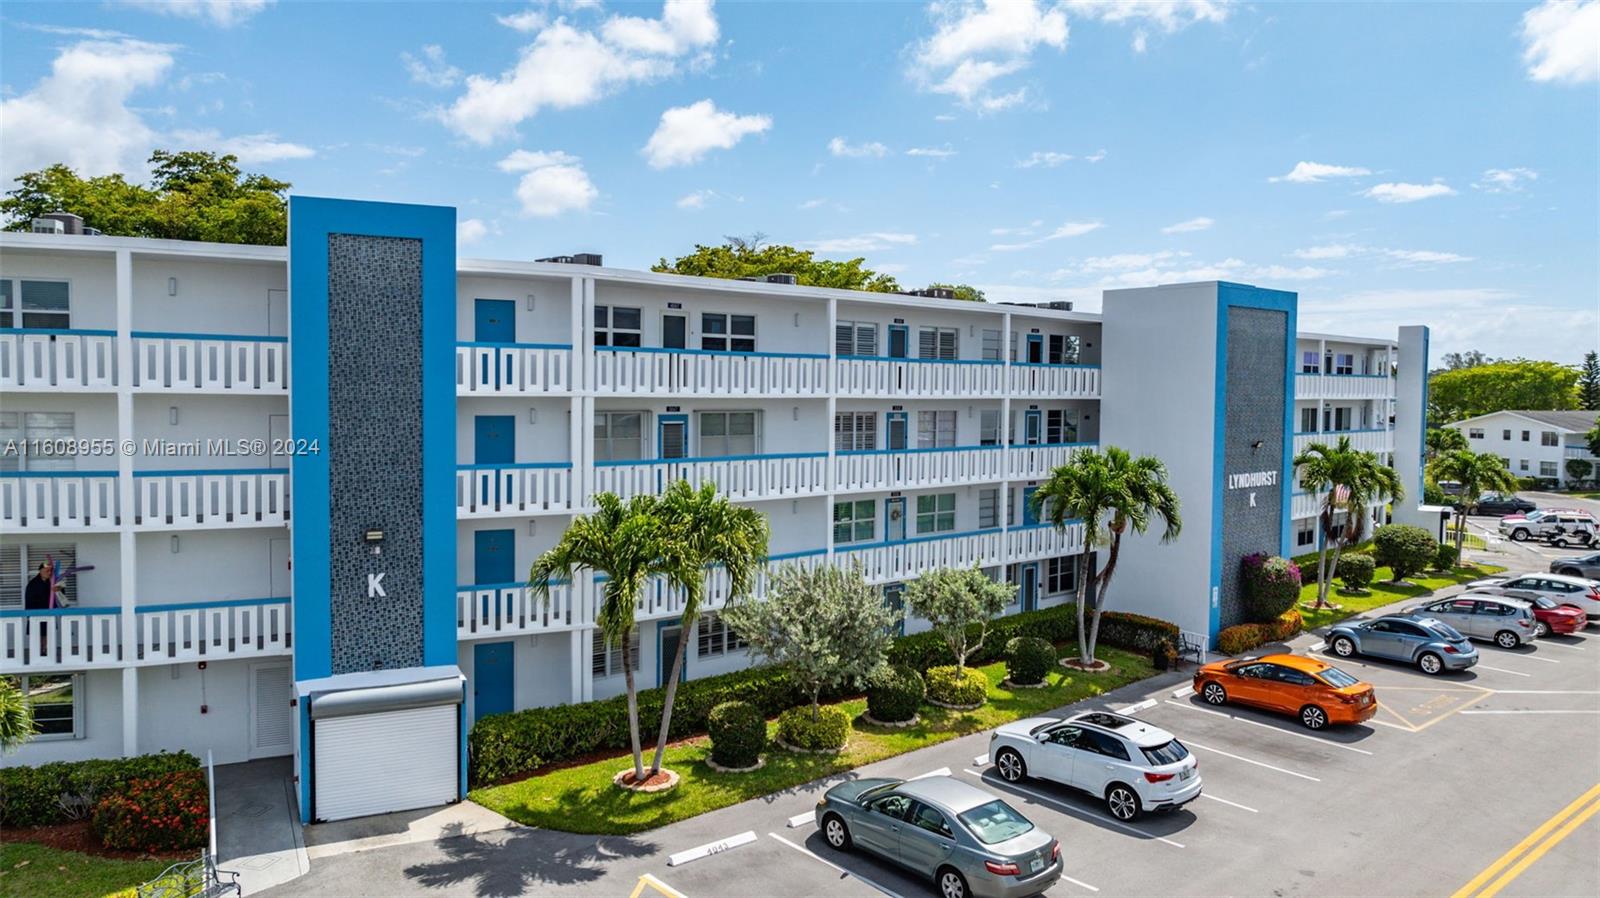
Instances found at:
x=1589 y=382
x=741 y=257
x=963 y=291
x=191 y=195
x=1496 y=386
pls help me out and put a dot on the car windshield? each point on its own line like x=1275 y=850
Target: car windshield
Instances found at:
x=1444 y=631
x=1539 y=601
x=1166 y=753
x=995 y=822
x=1337 y=678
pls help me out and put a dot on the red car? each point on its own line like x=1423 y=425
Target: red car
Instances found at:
x=1550 y=617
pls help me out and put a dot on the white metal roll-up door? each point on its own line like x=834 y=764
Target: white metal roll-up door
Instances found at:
x=388 y=761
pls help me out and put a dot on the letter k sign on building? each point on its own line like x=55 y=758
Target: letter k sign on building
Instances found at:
x=375 y=587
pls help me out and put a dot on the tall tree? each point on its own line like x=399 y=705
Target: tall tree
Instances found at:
x=16 y=715
x=965 y=292
x=1496 y=386
x=1478 y=473
x=1589 y=382
x=714 y=537
x=1111 y=492
x=954 y=599
x=192 y=195
x=1444 y=439
x=1349 y=481
x=1468 y=359
x=1592 y=438
x=741 y=257
x=1578 y=470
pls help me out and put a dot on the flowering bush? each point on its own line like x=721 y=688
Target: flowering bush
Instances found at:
x=162 y=813
x=1271 y=585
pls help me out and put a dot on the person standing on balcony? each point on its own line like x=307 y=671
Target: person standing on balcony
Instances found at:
x=40 y=596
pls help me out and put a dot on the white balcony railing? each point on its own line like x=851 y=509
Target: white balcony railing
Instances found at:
x=249 y=497
x=210 y=363
x=1304 y=505
x=1034 y=541
x=740 y=478
x=91 y=637
x=1375 y=440
x=660 y=601
x=904 y=559
x=60 y=639
x=508 y=609
x=912 y=378
x=48 y=359
x=1343 y=386
x=54 y=501
x=513 y=368
x=514 y=489
x=644 y=371
x=893 y=469
x=1036 y=462
x=1055 y=381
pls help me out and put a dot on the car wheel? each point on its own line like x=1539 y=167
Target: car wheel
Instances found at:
x=1313 y=717
x=951 y=883
x=837 y=834
x=1540 y=629
x=1010 y=764
x=1122 y=802
x=1560 y=542
x=1507 y=639
x=1519 y=535
x=1214 y=694
x=1344 y=647
x=1430 y=663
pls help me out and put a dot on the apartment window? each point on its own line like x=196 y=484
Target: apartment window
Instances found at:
x=855 y=431
x=1063 y=349
x=1549 y=438
x=989 y=427
x=936 y=429
x=1309 y=363
x=1308 y=420
x=1344 y=363
x=721 y=332
x=617 y=326
x=854 y=522
x=57 y=701
x=729 y=433
x=855 y=338
x=1304 y=536
x=42 y=304
x=1474 y=433
x=44 y=426
x=991 y=345
x=1547 y=469
x=1060 y=574
x=1507 y=461
x=715 y=638
x=19 y=561
x=1334 y=419
x=1505 y=435
x=620 y=436
x=1060 y=426
x=606 y=660
x=1525 y=436
x=1522 y=464
x=937 y=343
x=936 y=513
x=988 y=508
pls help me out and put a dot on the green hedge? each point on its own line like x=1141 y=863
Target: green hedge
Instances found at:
x=830 y=730
x=1054 y=625
x=895 y=696
x=957 y=685
x=30 y=796
x=1244 y=637
x=1028 y=660
x=1356 y=570
x=738 y=734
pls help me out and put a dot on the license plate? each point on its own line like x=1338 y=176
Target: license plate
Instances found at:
x=1366 y=699
x=1036 y=865
x=1186 y=773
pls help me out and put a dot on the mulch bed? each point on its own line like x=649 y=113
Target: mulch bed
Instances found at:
x=77 y=837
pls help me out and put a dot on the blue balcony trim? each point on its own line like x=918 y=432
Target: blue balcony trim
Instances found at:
x=964 y=448
x=57 y=474
x=1054 y=365
x=223 y=603
x=56 y=332
x=617 y=463
x=211 y=472
x=722 y=352
x=488 y=344
x=74 y=611
x=171 y=335
x=1330 y=374
x=884 y=358
x=1338 y=433
x=477 y=587
x=521 y=465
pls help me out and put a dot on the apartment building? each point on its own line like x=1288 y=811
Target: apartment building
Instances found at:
x=302 y=485
x=1533 y=443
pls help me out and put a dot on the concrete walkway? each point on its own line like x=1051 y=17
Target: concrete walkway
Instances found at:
x=258 y=824
x=402 y=828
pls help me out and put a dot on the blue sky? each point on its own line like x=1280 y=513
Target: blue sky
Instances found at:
x=1392 y=163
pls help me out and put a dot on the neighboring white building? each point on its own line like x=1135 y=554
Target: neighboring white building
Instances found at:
x=903 y=433
x=1533 y=443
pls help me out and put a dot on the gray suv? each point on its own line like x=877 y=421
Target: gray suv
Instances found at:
x=1585 y=566
x=1506 y=622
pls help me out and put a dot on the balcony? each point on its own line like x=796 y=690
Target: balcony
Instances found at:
x=178 y=500
x=1035 y=381
x=1037 y=461
x=742 y=478
x=83 y=637
x=887 y=562
x=875 y=376
x=58 y=501
x=1032 y=542
x=1378 y=439
x=1343 y=386
x=1581 y=452
x=49 y=359
x=513 y=369
x=648 y=371
x=486 y=491
x=893 y=469
x=229 y=364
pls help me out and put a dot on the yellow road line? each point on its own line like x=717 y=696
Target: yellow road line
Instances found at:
x=1539 y=851
x=1544 y=829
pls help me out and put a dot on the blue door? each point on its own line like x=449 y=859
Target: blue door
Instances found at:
x=1035 y=349
x=894 y=598
x=894 y=519
x=899 y=341
x=1028 y=516
x=1029 y=591
x=897 y=431
x=494 y=439
x=494 y=321
x=492 y=679
x=1033 y=427
x=494 y=559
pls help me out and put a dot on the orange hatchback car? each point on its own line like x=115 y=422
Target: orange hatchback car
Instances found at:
x=1316 y=692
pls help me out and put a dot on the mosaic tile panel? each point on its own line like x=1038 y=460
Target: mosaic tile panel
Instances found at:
x=1253 y=411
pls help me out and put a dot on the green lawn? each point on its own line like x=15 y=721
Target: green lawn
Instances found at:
x=35 y=871
x=1382 y=592
x=583 y=800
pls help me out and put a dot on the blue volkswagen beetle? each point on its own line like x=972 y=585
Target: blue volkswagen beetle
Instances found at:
x=1431 y=644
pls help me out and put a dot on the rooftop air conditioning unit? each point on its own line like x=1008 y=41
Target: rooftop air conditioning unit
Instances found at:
x=48 y=226
x=575 y=259
x=782 y=279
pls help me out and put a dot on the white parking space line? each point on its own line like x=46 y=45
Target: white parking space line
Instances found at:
x=819 y=858
x=1547 y=692
x=942 y=771
x=710 y=848
x=1181 y=691
x=1136 y=708
x=1065 y=808
x=800 y=820
x=1267 y=726
x=1384 y=723
x=1217 y=751
x=1539 y=659
x=1079 y=883
x=1231 y=804
x=981 y=761
x=1533 y=711
x=1514 y=673
x=1318 y=647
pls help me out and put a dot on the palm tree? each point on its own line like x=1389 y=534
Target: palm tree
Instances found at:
x=1111 y=492
x=1440 y=440
x=706 y=531
x=628 y=543
x=1353 y=480
x=16 y=715
x=1478 y=473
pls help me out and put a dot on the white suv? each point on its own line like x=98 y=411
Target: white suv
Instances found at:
x=1133 y=766
x=1576 y=527
x=1560 y=588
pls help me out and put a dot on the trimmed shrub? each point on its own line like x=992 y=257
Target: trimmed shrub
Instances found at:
x=65 y=790
x=162 y=813
x=1028 y=659
x=957 y=685
x=1447 y=558
x=1404 y=548
x=1244 y=637
x=1356 y=571
x=895 y=696
x=1271 y=585
x=738 y=734
x=1056 y=624
x=829 y=731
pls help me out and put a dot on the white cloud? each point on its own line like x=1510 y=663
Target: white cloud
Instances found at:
x=1046 y=158
x=1561 y=41
x=1026 y=230
x=686 y=133
x=1168 y=15
x=1505 y=180
x=1402 y=192
x=1141 y=41
x=975 y=44
x=695 y=200
x=862 y=243
x=469 y=231
x=223 y=13
x=1312 y=172
x=1404 y=256
x=1460 y=318
x=933 y=152
x=1185 y=227
x=429 y=67
x=553 y=182
x=252 y=149
x=1095 y=156
x=566 y=67
x=528 y=21
x=1070 y=229
x=814 y=203
x=1327 y=251
x=846 y=150
x=1425 y=256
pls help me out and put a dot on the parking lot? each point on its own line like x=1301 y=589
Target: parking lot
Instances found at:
x=1488 y=779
